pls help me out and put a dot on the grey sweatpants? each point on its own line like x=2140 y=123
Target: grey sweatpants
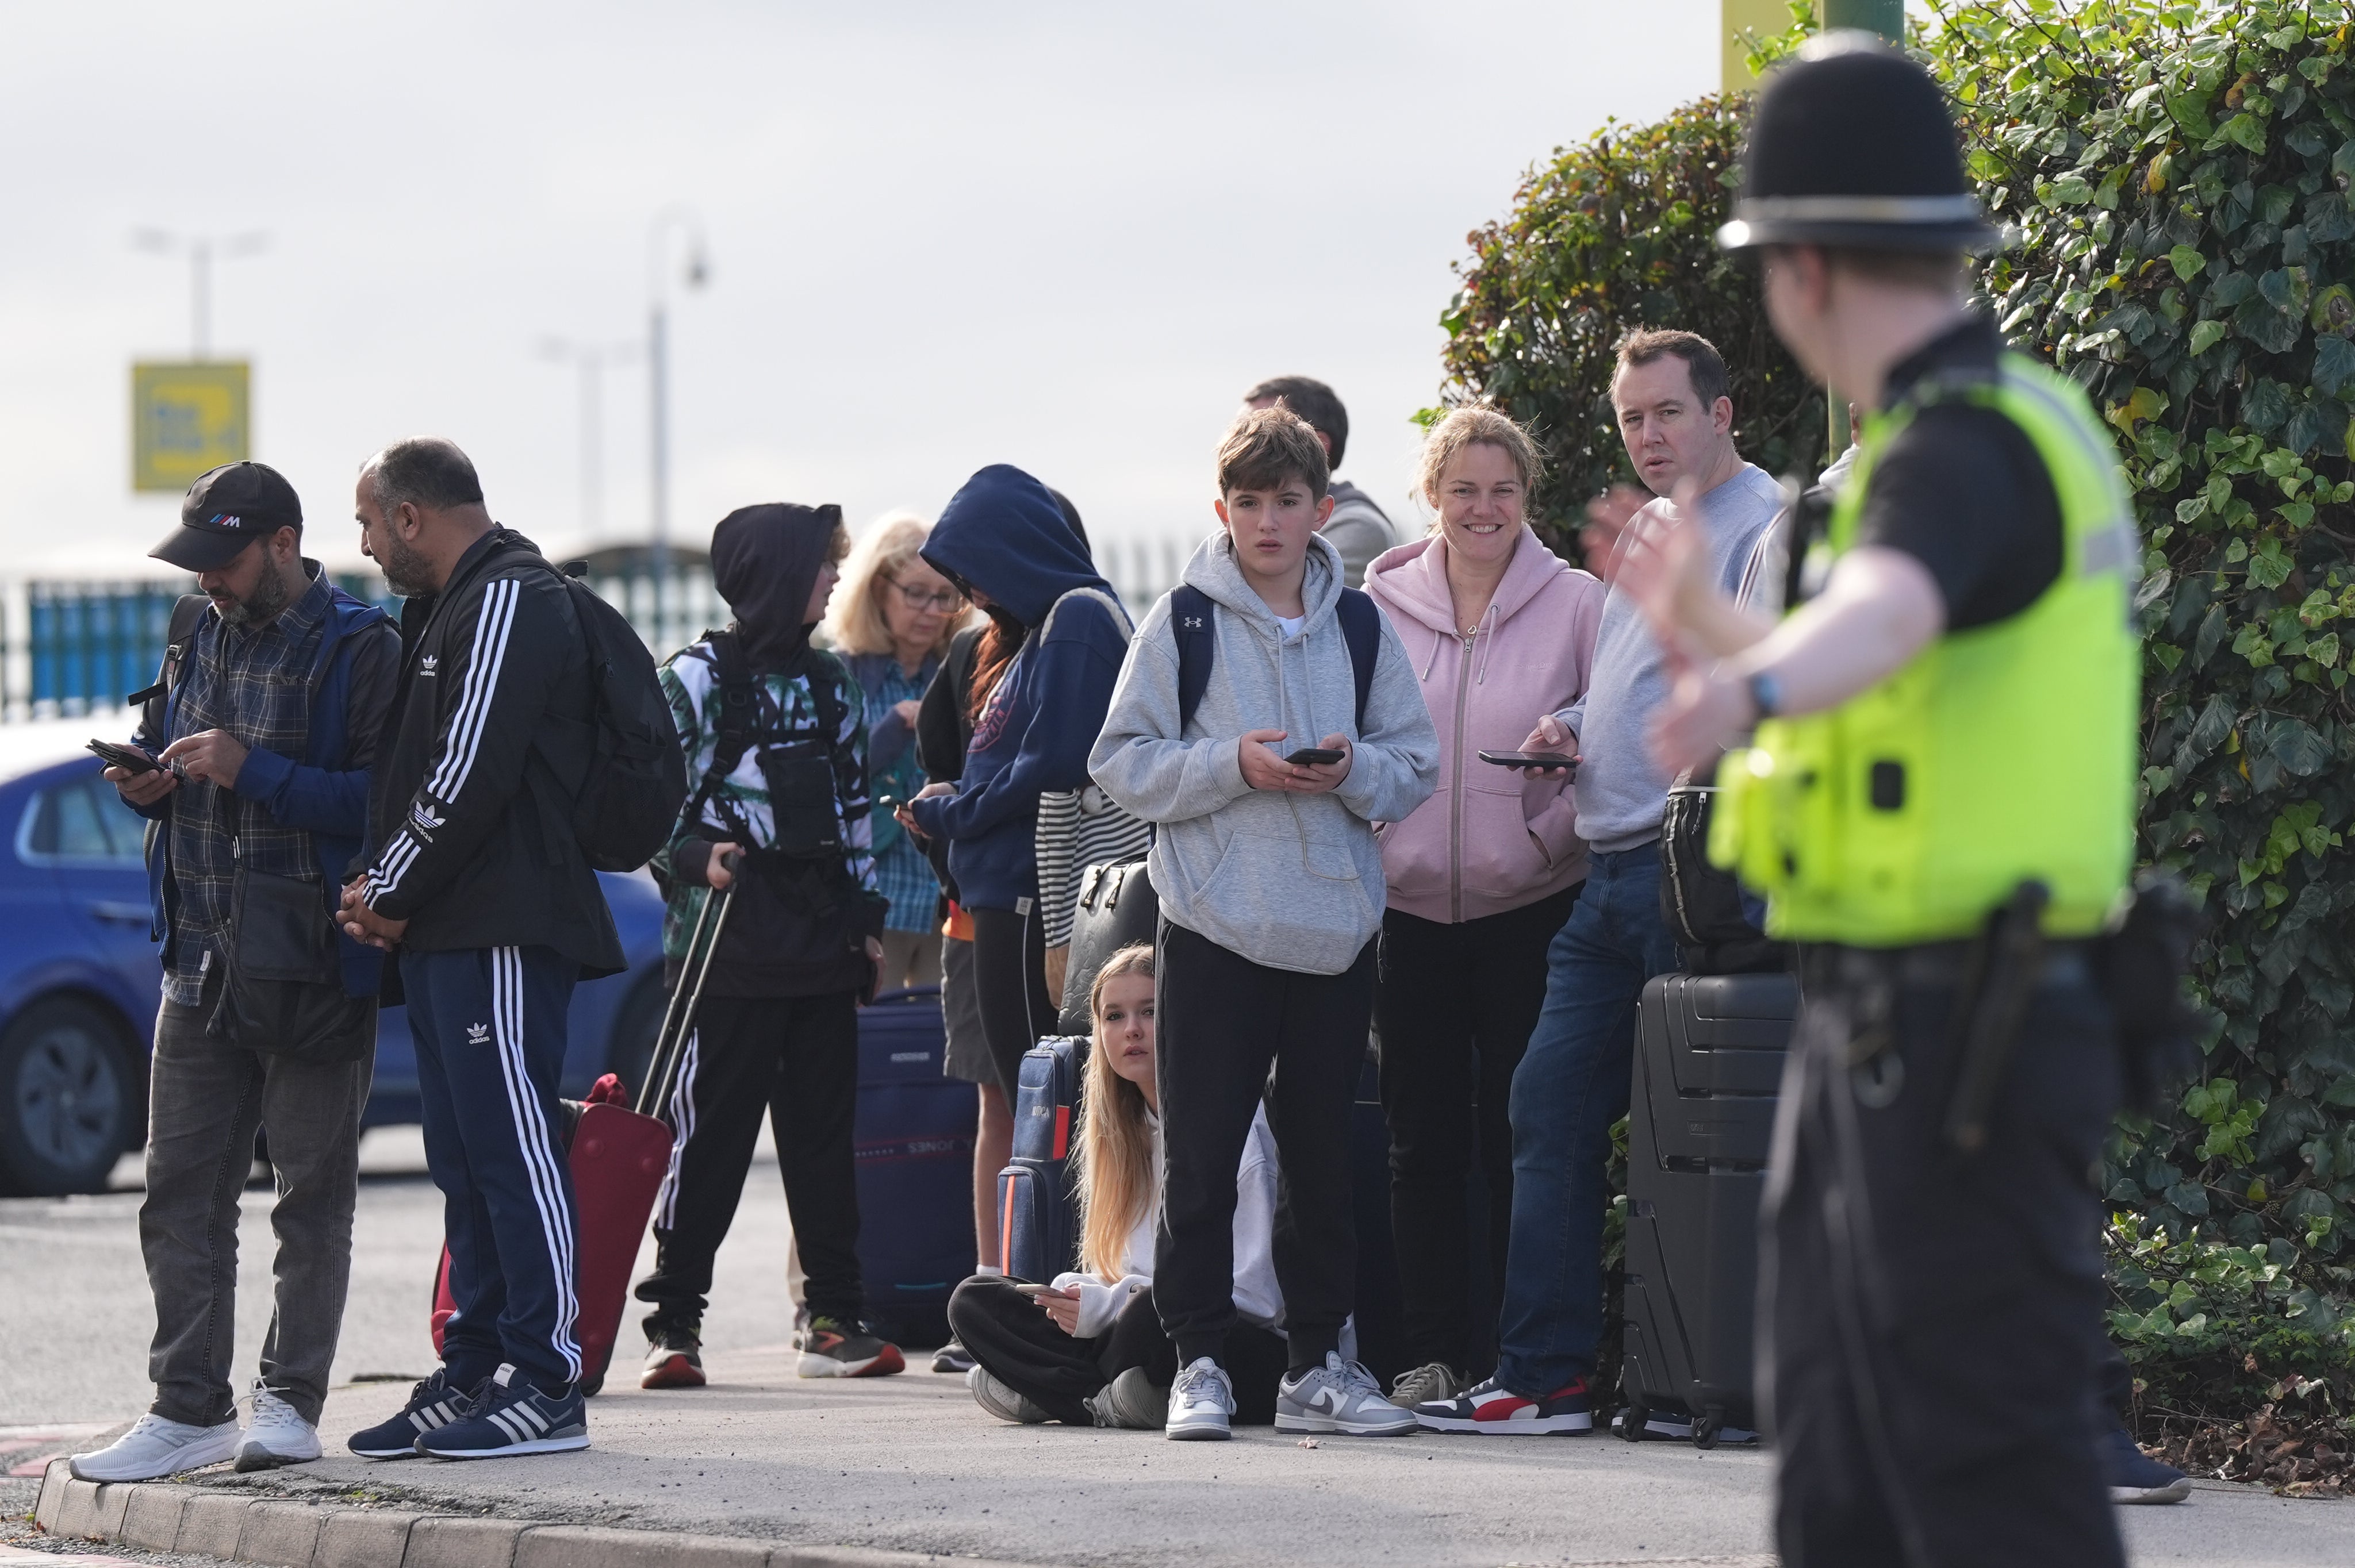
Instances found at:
x=205 y=1100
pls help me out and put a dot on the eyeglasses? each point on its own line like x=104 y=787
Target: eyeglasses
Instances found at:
x=941 y=600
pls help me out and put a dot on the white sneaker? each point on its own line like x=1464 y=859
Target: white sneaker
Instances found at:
x=1199 y=1403
x=1002 y=1401
x=1339 y=1396
x=155 y=1447
x=275 y=1435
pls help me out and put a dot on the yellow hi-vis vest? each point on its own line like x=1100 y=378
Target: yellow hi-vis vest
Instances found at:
x=2000 y=755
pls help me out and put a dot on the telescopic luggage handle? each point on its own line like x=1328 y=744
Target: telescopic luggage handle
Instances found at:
x=678 y=1016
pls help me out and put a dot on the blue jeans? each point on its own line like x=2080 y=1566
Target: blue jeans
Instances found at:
x=1571 y=1086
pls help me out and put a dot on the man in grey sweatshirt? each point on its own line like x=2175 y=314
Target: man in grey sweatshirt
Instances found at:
x=1573 y=1082
x=1272 y=896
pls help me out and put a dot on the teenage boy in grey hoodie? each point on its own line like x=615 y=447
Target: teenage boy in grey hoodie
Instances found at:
x=1272 y=895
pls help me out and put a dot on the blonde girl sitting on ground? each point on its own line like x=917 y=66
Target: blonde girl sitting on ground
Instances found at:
x=1089 y=1350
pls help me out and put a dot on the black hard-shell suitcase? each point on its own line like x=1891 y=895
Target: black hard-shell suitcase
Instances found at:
x=913 y=1139
x=1709 y=1064
x=1038 y=1220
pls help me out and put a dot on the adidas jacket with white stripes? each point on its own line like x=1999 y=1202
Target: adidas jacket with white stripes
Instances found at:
x=471 y=838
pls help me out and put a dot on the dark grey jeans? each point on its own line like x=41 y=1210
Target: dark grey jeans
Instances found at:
x=205 y=1100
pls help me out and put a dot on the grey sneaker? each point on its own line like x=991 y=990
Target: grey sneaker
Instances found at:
x=1199 y=1403
x=1339 y=1396
x=155 y=1447
x=1433 y=1380
x=1129 y=1401
x=1001 y=1401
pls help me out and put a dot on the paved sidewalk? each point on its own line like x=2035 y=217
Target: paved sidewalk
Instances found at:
x=910 y=1464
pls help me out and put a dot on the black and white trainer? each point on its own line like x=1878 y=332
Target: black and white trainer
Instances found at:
x=432 y=1404
x=511 y=1416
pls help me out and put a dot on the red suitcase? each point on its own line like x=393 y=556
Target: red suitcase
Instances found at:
x=618 y=1158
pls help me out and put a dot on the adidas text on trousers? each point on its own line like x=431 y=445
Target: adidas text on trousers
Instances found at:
x=489 y=1024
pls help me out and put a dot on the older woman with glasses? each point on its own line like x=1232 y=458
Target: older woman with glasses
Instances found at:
x=891 y=621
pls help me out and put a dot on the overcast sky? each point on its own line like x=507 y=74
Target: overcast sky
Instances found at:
x=942 y=235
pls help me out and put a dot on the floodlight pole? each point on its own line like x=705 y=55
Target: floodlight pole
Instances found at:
x=200 y=250
x=697 y=267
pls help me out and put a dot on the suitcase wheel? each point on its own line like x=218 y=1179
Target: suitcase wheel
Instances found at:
x=1632 y=1422
x=1707 y=1427
x=590 y=1385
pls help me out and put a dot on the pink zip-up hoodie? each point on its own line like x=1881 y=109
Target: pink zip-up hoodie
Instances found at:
x=1489 y=839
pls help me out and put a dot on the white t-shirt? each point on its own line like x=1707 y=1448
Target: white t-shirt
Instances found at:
x=1291 y=625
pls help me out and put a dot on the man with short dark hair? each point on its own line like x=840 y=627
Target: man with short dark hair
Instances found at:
x=478 y=880
x=1357 y=527
x=1573 y=1082
x=267 y=718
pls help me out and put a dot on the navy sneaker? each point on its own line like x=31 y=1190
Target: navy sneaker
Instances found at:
x=432 y=1404
x=511 y=1416
x=2134 y=1477
x=1491 y=1407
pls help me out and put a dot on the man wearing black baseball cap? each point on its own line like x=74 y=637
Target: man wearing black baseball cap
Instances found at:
x=275 y=689
x=1938 y=803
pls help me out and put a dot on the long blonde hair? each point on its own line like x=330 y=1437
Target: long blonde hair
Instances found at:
x=1116 y=1175
x=854 y=621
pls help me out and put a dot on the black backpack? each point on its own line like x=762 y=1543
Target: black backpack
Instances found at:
x=1701 y=903
x=637 y=779
x=1191 y=616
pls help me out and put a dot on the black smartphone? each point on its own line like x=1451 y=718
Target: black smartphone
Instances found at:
x=125 y=757
x=1554 y=760
x=887 y=804
x=1314 y=757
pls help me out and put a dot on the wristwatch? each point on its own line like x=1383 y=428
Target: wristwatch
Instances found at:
x=1765 y=693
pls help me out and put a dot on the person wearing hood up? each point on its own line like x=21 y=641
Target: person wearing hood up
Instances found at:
x=1041 y=681
x=1481 y=875
x=1300 y=728
x=778 y=810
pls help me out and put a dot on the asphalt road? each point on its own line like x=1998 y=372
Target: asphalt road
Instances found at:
x=909 y=1462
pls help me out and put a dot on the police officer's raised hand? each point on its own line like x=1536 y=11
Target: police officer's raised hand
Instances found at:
x=1705 y=712
x=1614 y=525
x=210 y=756
x=141 y=789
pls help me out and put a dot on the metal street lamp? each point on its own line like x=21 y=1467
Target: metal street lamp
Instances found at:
x=591 y=359
x=675 y=234
x=201 y=251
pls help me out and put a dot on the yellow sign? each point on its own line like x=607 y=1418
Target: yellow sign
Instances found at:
x=186 y=420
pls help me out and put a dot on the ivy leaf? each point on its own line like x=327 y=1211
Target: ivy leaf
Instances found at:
x=2206 y=335
x=2187 y=263
x=2244 y=130
x=2334 y=365
x=2301 y=748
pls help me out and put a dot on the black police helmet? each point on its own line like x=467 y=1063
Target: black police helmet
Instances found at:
x=1850 y=144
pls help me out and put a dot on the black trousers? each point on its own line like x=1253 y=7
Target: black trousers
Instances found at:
x=1453 y=1006
x=1930 y=1315
x=797 y=1058
x=1021 y=1347
x=1222 y=1022
x=1009 y=973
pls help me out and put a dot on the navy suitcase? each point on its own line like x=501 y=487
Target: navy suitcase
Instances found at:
x=1037 y=1219
x=1709 y=1064
x=913 y=1139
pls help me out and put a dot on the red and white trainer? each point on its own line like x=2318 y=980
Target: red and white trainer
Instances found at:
x=1491 y=1407
x=832 y=1348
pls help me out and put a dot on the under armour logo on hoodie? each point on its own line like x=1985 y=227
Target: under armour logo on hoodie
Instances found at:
x=1192 y=622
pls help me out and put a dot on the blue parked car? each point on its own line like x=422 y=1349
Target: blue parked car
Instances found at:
x=79 y=978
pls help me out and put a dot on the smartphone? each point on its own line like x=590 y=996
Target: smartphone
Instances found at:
x=1555 y=760
x=126 y=756
x=887 y=804
x=1314 y=757
x=1034 y=1291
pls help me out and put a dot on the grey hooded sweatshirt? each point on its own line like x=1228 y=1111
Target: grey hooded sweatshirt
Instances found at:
x=1289 y=881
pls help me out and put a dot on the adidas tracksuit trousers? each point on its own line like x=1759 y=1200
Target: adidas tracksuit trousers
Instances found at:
x=489 y=1026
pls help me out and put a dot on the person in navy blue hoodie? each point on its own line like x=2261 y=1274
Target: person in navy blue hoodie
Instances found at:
x=269 y=716
x=1042 y=681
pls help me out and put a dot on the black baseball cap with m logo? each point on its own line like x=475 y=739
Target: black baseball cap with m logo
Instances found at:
x=226 y=510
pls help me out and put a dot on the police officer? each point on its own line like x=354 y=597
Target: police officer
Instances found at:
x=1939 y=804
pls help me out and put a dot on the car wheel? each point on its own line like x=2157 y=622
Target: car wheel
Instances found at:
x=68 y=1099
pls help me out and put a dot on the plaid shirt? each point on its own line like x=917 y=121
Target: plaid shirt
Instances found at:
x=902 y=871
x=255 y=684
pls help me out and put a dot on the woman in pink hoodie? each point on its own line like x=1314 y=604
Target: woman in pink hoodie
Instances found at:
x=1481 y=875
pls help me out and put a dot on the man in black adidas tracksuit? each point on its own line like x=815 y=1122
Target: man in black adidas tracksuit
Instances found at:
x=477 y=877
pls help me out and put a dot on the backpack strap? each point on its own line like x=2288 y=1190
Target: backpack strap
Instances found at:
x=1362 y=629
x=1192 y=621
x=739 y=717
x=179 y=634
